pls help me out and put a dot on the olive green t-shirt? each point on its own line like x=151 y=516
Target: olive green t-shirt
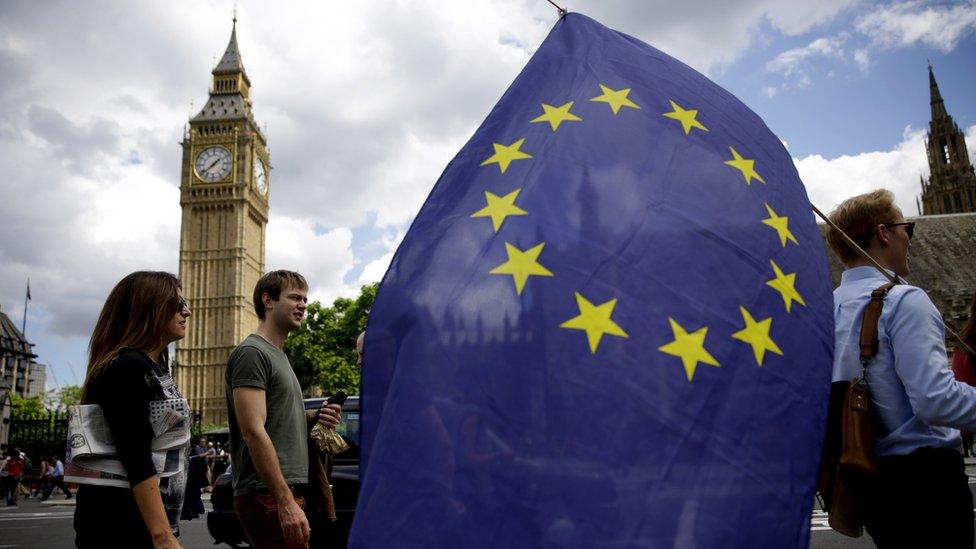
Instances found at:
x=258 y=363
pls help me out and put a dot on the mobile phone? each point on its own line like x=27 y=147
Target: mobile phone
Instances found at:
x=338 y=398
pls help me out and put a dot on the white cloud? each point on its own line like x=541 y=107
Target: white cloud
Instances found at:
x=374 y=270
x=322 y=256
x=795 y=64
x=797 y=18
x=829 y=181
x=907 y=23
x=792 y=62
x=863 y=59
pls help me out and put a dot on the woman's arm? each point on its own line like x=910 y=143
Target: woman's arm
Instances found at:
x=124 y=398
x=150 y=505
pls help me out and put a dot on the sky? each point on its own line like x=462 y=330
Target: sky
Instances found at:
x=365 y=103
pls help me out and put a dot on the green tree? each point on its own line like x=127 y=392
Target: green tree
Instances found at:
x=68 y=396
x=27 y=407
x=323 y=349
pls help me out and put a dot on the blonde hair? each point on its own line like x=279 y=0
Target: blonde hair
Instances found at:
x=858 y=217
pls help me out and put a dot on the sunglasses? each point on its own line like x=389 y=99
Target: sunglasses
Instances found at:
x=183 y=304
x=909 y=227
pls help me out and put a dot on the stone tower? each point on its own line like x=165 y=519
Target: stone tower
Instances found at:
x=224 y=197
x=951 y=187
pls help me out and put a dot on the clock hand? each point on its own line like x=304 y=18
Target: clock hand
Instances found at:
x=212 y=164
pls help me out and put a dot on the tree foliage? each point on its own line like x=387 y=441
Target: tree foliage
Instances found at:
x=323 y=350
x=68 y=396
x=32 y=407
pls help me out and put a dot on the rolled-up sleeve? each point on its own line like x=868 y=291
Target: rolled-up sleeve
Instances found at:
x=249 y=367
x=125 y=403
x=918 y=342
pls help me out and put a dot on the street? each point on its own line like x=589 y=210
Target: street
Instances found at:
x=49 y=525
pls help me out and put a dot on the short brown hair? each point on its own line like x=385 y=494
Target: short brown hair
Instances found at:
x=272 y=284
x=858 y=217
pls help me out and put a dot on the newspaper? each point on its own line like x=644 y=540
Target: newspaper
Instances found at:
x=91 y=451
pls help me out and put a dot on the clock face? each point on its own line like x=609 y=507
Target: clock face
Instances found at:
x=213 y=164
x=260 y=176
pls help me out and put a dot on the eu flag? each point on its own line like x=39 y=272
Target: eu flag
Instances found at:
x=609 y=325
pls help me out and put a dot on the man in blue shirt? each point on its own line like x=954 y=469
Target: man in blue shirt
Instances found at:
x=921 y=496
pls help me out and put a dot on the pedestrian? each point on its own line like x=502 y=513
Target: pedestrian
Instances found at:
x=196 y=479
x=57 y=479
x=964 y=365
x=43 y=476
x=128 y=368
x=14 y=468
x=920 y=496
x=268 y=424
x=220 y=461
x=4 y=457
x=23 y=488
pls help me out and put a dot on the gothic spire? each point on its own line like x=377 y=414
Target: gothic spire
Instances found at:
x=938 y=106
x=231 y=61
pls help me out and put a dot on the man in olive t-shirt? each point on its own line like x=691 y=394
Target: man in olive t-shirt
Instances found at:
x=258 y=363
x=268 y=422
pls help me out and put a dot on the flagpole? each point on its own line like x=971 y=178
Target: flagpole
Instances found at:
x=23 y=326
x=562 y=11
x=894 y=278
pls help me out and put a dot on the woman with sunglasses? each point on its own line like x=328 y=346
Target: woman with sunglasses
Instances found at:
x=127 y=368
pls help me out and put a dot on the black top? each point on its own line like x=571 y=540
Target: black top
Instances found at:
x=123 y=393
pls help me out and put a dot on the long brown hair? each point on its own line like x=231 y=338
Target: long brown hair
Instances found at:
x=135 y=315
x=968 y=332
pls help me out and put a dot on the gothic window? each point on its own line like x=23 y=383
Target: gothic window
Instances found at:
x=945 y=152
x=947 y=204
x=958 y=200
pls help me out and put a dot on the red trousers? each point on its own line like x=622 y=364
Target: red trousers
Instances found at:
x=258 y=512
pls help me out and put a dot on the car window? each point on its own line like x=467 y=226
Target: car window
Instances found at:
x=349 y=426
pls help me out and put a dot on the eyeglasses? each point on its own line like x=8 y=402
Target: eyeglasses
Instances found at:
x=909 y=227
x=183 y=304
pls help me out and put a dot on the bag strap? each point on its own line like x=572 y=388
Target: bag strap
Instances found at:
x=869 y=324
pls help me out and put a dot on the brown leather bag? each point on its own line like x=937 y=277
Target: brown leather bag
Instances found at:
x=847 y=467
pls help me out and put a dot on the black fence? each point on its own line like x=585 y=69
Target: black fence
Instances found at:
x=40 y=435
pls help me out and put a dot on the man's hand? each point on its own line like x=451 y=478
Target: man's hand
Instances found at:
x=294 y=525
x=329 y=415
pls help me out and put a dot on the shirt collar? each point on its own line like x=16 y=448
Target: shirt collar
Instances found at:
x=866 y=273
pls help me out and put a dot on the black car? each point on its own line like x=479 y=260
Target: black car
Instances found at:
x=223 y=523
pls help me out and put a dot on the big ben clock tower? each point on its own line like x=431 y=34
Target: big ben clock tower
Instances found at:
x=224 y=196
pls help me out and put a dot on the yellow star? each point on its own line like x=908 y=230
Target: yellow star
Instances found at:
x=757 y=335
x=783 y=283
x=595 y=321
x=781 y=224
x=745 y=166
x=522 y=264
x=557 y=115
x=690 y=348
x=505 y=154
x=615 y=98
x=500 y=207
x=686 y=117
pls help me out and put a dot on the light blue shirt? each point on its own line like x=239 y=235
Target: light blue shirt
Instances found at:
x=58 y=468
x=918 y=401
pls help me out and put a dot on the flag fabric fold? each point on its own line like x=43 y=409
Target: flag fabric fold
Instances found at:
x=610 y=324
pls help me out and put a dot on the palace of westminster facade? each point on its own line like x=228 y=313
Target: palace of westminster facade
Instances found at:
x=224 y=193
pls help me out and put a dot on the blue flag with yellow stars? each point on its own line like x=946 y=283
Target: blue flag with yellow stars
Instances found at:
x=610 y=324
